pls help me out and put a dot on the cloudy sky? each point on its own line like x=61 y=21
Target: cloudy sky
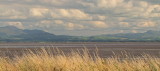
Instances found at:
x=82 y=17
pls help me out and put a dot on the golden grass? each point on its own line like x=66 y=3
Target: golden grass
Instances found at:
x=76 y=61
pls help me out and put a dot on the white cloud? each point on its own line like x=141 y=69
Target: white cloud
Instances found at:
x=99 y=24
x=67 y=25
x=121 y=18
x=152 y=11
x=46 y=21
x=143 y=4
x=60 y=13
x=70 y=14
x=99 y=17
x=134 y=31
x=66 y=15
x=54 y=2
x=147 y=24
x=39 y=12
x=58 y=22
x=16 y=24
x=9 y=13
x=124 y=24
x=108 y=3
x=71 y=26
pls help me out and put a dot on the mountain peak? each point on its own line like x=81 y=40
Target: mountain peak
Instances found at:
x=10 y=27
x=12 y=33
x=10 y=30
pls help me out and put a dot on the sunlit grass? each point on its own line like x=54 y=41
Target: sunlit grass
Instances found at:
x=45 y=60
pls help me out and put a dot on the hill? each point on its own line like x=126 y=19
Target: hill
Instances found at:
x=146 y=36
x=13 y=34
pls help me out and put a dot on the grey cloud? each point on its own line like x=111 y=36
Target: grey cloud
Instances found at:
x=153 y=1
x=95 y=16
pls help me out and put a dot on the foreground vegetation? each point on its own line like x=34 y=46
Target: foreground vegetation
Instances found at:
x=76 y=61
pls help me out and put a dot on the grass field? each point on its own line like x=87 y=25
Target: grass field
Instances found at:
x=45 y=60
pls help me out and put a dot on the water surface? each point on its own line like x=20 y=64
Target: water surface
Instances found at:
x=104 y=49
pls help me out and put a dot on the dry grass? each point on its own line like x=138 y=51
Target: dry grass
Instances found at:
x=75 y=61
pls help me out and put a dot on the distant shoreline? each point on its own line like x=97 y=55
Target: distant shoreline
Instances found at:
x=105 y=49
x=79 y=42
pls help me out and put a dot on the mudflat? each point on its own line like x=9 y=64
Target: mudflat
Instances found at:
x=104 y=49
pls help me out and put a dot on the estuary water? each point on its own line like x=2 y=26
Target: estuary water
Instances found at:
x=105 y=49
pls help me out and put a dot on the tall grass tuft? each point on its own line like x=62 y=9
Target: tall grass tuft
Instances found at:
x=44 y=60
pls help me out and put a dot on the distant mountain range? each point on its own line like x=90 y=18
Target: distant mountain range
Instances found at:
x=13 y=34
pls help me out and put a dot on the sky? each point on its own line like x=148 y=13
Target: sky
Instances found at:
x=82 y=17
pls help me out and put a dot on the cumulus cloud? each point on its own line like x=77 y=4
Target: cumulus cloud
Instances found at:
x=147 y=24
x=39 y=12
x=99 y=24
x=71 y=26
x=66 y=15
x=9 y=13
x=58 y=22
x=16 y=24
x=134 y=31
x=108 y=3
x=152 y=11
x=70 y=14
x=124 y=24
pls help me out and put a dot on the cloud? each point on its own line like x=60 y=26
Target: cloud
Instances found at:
x=147 y=24
x=99 y=24
x=16 y=24
x=39 y=12
x=108 y=3
x=99 y=17
x=124 y=24
x=58 y=22
x=61 y=16
x=9 y=13
x=134 y=31
x=70 y=14
x=152 y=11
x=72 y=26
x=153 y=1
